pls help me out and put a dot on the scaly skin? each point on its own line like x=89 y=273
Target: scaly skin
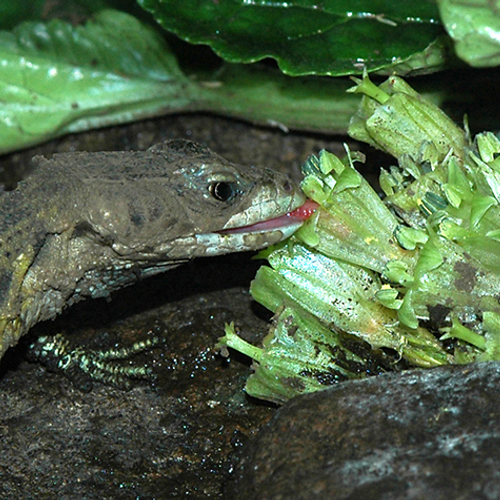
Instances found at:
x=85 y=224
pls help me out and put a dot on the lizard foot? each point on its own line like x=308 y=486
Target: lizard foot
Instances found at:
x=83 y=365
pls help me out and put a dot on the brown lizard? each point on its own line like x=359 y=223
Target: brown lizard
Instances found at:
x=85 y=224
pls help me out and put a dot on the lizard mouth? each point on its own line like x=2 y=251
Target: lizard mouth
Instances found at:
x=239 y=239
x=253 y=236
x=288 y=222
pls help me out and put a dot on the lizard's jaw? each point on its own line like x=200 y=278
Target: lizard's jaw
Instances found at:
x=251 y=237
x=248 y=237
x=287 y=223
x=269 y=204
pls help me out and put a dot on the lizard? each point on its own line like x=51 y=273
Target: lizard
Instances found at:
x=85 y=224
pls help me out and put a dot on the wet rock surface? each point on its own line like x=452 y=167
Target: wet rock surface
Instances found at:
x=167 y=439
x=420 y=434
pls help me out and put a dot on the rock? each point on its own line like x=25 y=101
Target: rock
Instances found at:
x=414 y=435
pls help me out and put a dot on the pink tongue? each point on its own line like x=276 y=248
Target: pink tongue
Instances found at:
x=304 y=211
x=299 y=214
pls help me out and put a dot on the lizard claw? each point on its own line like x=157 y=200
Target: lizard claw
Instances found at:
x=83 y=365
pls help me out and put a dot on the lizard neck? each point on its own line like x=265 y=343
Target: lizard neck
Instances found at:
x=68 y=269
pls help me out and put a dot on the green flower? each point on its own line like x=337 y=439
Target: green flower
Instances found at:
x=370 y=284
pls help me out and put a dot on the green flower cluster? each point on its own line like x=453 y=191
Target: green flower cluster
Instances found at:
x=370 y=284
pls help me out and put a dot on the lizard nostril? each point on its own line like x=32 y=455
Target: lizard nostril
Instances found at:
x=288 y=186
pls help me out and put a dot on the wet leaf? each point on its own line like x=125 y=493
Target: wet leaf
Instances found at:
x=475 y=28
x=306 y=37
x=57 y=78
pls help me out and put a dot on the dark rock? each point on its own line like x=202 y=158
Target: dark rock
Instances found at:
x=417 y=435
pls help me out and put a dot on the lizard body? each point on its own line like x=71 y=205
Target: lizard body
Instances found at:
x=85 y=224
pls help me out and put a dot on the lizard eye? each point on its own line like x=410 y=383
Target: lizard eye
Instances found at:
x=223 y=191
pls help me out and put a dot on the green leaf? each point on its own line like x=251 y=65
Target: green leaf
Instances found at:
x=355 y=226
x=406 y=313
x=11 y=13
x=402 y=123
x=306 y=37
x=57 y=78
x=488 y=146
x=475 y=28
x=409 y=237
x=267 y=96
x=389 y=297
x=458 y=188
x=296 y=358
x=491 y=324
x=342 y=298
x=479 y=206
x=459 y=331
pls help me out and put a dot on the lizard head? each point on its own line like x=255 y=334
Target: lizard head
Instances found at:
x=179 y=200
